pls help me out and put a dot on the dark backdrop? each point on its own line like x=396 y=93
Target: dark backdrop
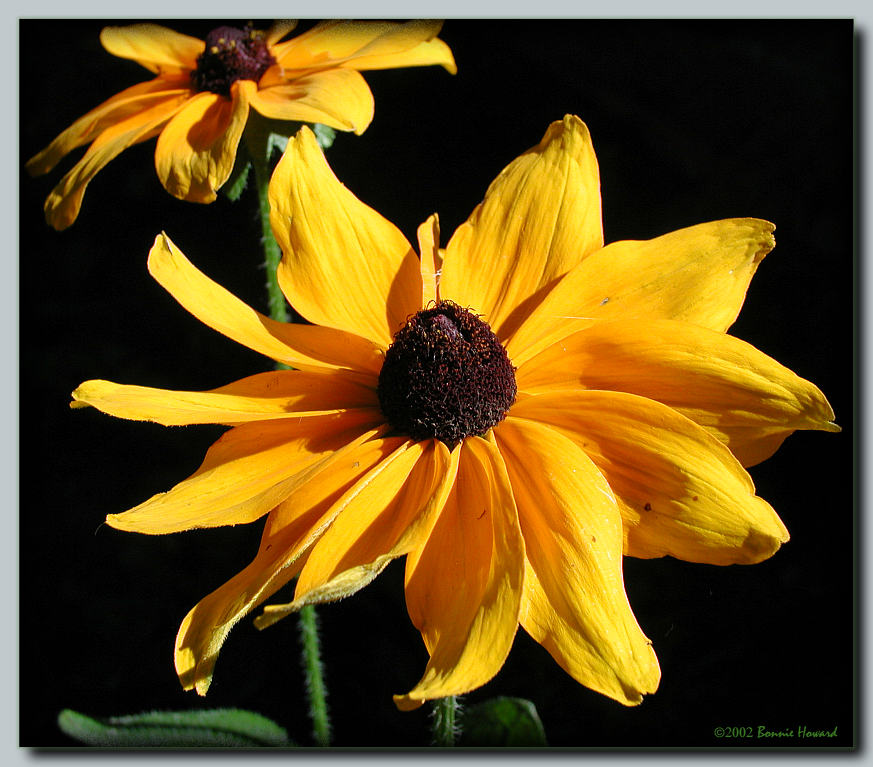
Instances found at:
x=691 y=121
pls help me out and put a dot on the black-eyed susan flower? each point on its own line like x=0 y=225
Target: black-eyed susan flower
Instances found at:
x=513 y=414
x=198 y=102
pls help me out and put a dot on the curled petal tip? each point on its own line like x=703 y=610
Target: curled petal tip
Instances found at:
x=405 y=703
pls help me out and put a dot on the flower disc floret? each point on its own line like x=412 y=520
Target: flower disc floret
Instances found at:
x=231 y=54
x=446 y=376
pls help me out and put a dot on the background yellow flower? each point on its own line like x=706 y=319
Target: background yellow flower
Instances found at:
x=198 y=102
x=773 y=637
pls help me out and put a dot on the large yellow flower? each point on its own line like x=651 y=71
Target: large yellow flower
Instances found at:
x=513 y=413
x=199 y=101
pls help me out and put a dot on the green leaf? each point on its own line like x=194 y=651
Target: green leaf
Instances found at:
x=235 y=185
x=508 y=722
x=276 y=141
x=216 y=728
x=324 y=135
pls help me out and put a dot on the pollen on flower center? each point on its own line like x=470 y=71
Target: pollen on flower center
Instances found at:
x=231 y=54
x=446 y=376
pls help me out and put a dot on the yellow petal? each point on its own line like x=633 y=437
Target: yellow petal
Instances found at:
x=266 y=396
x=386 y=514
x=153 y=46
x=574 y=599
x=249 y=471
x=431 y=259
x=301 y=346
x=62 y=205
x=131 y=101
x=197 y=149
x=343 y=265
x=288 y=536
x=745 y=398
x=278 y=30
x=680 y=491
x=339 y=98
x=366 y=45
x=463 y=587
x=699 y=274
x=539 y=218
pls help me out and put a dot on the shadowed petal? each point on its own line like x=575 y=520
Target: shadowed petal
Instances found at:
x=680 y=491
x=384 y=516
x=463 y=587
x=289 y=533
x=742 y=396
x=339 y=98
x=699 y=274
x=574 y=599
x=539 y=218
x=343 y=265
x=62 y=205
x=301 y=346
x=196 y=151
x=129 y=102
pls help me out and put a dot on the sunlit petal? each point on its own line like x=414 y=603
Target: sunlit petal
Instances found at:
x=539 y=218
x=343 y=266
x=699 y=274
x=680 y=491
x=153 y=46
x=248 y=472
x=366 y=45
x=265 y=396
x=745 y=398
x=301 y=346
x=574 y=599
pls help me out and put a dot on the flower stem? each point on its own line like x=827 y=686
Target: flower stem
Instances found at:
x=257 y=137
x=445 y=725
x=314 y=673
x=259 y=148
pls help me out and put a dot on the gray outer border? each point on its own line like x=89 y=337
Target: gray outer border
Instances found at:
x=10 y=312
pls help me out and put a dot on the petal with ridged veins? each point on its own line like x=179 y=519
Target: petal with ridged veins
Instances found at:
x=699 y=274
x=574 y=602
x=743 y=397
x=680 y=491
x=289 y=533
x=249 y=471
x=386 y=514
x=464 y=585
x=540 y=217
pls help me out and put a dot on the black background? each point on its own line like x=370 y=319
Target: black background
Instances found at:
x=692 y=121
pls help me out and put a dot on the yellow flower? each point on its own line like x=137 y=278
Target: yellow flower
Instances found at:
x=199 y=101
x=513 y=413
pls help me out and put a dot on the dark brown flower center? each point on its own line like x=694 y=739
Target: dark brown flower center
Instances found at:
x=231 y=54
x=446 y=376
